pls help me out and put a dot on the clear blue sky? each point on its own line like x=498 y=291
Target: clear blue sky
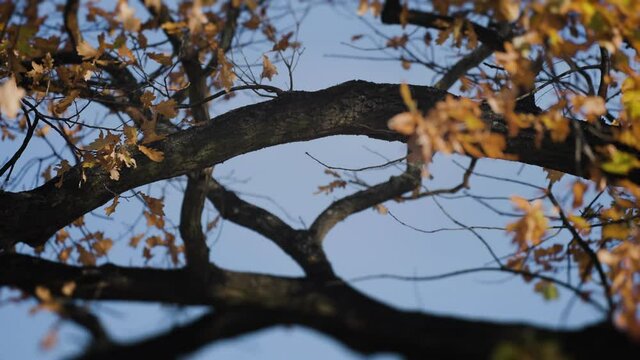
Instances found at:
x=367 y=243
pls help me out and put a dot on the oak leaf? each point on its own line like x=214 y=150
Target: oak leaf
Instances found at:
x=268 y=69
x=152 y=154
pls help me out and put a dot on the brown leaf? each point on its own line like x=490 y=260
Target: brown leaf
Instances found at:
x=268 y=69
x=161 y=58
x=10 y=96
x=87 y=51
x=112 y=208
x=85 y=257
x=167 y=108
x=147 y=98
x=154 y=155
x=102 y=247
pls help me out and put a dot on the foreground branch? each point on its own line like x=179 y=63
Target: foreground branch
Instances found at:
x=334 y=308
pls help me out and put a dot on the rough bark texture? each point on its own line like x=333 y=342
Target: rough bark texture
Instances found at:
x=245 y=302
x=351 y=108
x=333 y=308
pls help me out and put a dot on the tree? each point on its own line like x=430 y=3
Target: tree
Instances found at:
x=157 y=67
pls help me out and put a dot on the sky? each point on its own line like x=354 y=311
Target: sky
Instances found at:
x=283 y=179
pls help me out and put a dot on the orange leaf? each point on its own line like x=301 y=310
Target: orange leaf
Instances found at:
x=166 y=108
x=112 y=208
x=154 y=155
x=268 y=69
x=161 y=58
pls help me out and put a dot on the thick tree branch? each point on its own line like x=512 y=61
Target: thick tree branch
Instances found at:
x=71 y=22
x=333 y=308
x=352 y=108
x=195 y=245
x=460 y=68
x=391 y=13
x=83 y=317
x=295 y=243
x=364 y=199
x=208 y=328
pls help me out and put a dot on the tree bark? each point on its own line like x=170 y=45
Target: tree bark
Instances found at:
x=351 y=108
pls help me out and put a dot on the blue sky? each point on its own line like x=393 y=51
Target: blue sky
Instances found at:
x=367 y=243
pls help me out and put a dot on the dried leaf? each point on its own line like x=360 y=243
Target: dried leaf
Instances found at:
x=87 y=51
x=112 y=208
x=126 y=15
x=167 y=108
x=154 y=155
x=268 y=69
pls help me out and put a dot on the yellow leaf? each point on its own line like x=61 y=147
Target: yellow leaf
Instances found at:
x=620 y=162
x=154 y=155
x=405 y=92
x=615 y=231
x=548 y=289
x=363 y=7
x=173 y=28
x=581 y=224
x=68 y=288
x=268 y=69
x=381 y=209
x=85 y=257
x=43 y=294
x=529 y=229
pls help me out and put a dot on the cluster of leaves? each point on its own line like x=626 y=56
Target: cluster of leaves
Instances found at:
x=53 y=77
x=540 y=35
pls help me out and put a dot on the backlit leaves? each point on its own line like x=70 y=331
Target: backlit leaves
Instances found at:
x=126 y=15
x=112 y=208
x=529 y=229
x=10 y=96
x=87 y=51
x=268 y=69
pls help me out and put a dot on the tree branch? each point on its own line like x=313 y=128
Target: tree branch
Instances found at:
x=295 y=243
x=196 y=249
x=364 y=199
x=352 y=108
x=391 y=15
x=333 y=308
